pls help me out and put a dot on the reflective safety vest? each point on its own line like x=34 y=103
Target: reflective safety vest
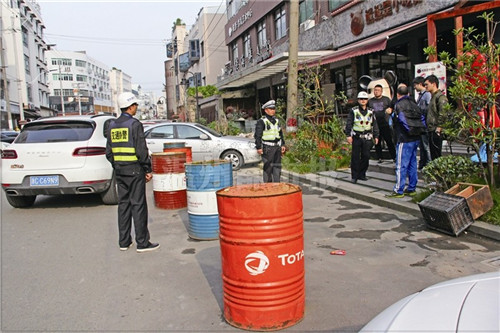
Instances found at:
x=122 y=144
x=362 y=123
x=271 y=131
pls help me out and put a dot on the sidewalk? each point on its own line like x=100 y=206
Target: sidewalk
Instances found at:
x=380 y=182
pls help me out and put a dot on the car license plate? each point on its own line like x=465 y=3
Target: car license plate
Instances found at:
x=44 y=180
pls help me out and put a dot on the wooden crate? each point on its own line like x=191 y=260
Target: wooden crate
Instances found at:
x=478 y=197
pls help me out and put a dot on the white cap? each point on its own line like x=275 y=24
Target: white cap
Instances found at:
x=126 y=99
x=362 y=94
x=269 y=105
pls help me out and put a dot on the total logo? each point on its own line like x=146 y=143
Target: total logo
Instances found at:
x=257 y=262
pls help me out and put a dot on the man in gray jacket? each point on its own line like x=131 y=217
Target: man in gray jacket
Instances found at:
x=435 y=115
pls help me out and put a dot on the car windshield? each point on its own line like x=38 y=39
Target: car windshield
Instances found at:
x=56 y=132
x=209 y=130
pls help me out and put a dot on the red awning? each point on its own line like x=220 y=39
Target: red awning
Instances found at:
x=369 y=45
x=365 y=47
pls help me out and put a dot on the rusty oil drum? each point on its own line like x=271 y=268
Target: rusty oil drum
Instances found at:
x=169 y=180
x=172 y=147
x=262 y=251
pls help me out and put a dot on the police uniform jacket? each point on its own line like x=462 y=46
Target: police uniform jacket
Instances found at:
x=351 y=122
x=260 y=127
x=126 y=147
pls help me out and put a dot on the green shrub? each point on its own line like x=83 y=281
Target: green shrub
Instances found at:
x=227 y=128
x=446 y=171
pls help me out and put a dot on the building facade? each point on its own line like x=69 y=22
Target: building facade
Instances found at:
x=78 y=83
x=347 y=39
x=198 y=57
x=25 y=92
x=119 y=82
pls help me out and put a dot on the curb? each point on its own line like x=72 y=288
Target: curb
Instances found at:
x=376 y=197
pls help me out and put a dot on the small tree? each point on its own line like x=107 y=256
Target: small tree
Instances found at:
x=475 y=87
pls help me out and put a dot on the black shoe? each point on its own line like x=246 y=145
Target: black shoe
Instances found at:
x=150 y=247
x=125 y=248
x=354 y=181
x=363 y=178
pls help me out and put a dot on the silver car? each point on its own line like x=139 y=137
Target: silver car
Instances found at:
x=206 y=144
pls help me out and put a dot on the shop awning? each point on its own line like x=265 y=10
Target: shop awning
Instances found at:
x=366 y=46
x=272 y=66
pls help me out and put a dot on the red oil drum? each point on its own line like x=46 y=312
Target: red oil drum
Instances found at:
x=170 y=147
x=169 y=180
x=262 y=249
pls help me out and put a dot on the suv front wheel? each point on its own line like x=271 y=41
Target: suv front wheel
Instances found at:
x=234 y=157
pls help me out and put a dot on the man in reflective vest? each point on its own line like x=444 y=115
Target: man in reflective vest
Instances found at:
x=361 y=130
x=270 y=143
x=126 y=150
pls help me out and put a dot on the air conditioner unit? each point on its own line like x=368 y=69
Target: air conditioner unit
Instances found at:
x=3 y=105
x=306 y=25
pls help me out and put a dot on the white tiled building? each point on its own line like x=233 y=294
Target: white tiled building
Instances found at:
x=81 y=81
x=23 y=62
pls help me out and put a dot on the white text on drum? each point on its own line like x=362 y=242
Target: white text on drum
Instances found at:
x=291 y=258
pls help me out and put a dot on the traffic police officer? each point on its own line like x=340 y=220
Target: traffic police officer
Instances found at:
x=270 y=143
x=126 y=150
x=361 y=129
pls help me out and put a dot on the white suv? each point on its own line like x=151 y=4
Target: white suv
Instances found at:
x=59 y=155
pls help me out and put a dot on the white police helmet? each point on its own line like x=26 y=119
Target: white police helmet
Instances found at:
x=126 y=99
x=362 y=94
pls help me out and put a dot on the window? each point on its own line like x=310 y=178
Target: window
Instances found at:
x=306 y=10
x=334 y=4
x=81 y=78
x=162 y=132
x=62 y=77
x=280 y=22
x=27 y=64
x=261 y=34
x=235 y=52
x=194 y=50
x=202 y=46
x=187 y=132
x=247 y=46
x=25 y=36
x=80 y=63
x=51 y=133
x=63 y=62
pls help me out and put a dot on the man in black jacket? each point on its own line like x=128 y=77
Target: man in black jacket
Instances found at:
x=127 y=151
x=408 y=138
x=381 y=105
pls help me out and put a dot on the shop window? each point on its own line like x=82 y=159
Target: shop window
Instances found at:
x=395 y=59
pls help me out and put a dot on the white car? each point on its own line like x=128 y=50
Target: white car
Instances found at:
x=59 y=155
x=206 y=144
x=468 y=304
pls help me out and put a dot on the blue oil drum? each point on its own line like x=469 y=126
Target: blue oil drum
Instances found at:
x=203 y=179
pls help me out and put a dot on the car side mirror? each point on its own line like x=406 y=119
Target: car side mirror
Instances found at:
x=204 y=136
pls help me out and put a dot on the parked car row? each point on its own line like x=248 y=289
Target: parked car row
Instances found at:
x=66 y=155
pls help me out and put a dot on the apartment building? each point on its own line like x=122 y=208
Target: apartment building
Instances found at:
x=119 y=82
x=78 y=83
x=198 y=55
x=25 y=92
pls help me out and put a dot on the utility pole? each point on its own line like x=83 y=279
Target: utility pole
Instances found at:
x=5 y=83
x=293 y=56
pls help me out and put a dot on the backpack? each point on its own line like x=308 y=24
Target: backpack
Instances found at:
x=413 y=117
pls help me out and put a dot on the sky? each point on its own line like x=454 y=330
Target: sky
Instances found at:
x=128 y=35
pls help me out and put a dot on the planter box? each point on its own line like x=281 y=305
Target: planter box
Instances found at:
x=478 y=197
x=447 y=213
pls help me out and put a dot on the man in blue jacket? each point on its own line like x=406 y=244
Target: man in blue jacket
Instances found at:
x=409 y=123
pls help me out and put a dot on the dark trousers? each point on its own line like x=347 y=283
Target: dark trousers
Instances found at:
x=386 y=135
x=132 y=205
x=425 y=152
x=271 y=157
x=435 y=144
x=360 y=157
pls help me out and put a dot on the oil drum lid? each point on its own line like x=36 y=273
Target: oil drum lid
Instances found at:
x=259 y=190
